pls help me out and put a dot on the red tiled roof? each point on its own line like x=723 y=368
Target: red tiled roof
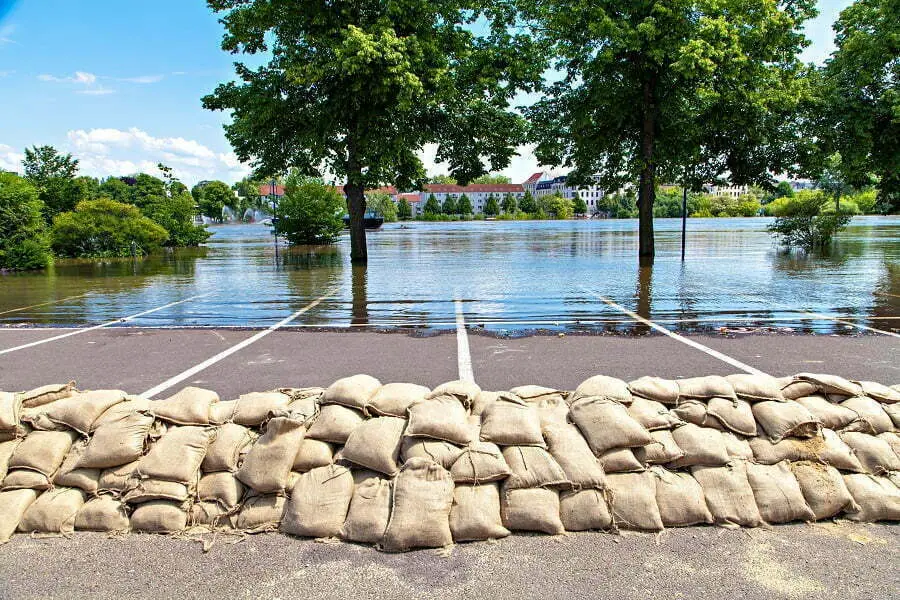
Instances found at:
x=475 y=187
x=534 y=178
x=409 y=197
x=266 y=190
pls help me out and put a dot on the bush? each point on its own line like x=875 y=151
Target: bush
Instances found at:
x=404 y=210
x=176 y=215
x=310 y=211
x=801 y=220
x=23 y=235
x=103 y=228
x=381 y=204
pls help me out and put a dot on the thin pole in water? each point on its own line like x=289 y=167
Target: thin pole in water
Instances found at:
x=275 y=218
x=683 y=219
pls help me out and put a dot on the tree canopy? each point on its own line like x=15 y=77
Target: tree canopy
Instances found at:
x=42 y=163
x=23 y=234
x=492 y=179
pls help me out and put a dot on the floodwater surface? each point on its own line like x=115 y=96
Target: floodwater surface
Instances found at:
x=508 y=277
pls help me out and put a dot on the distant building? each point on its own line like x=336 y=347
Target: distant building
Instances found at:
x=731 y=191
x=591 y=194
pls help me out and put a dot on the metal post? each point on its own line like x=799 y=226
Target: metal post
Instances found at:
x=683 y=220
x=275 y=218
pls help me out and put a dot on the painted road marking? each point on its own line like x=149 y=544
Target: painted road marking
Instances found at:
x=696 y=345
x=463 y=357
x=43 y=304
x=172 y=381
x=102 y=325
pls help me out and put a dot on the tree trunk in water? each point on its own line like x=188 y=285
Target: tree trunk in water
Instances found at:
x=647 y=185
x=356 y=206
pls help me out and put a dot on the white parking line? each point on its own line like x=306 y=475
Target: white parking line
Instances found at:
x=172 y=381
x=696 y=345
x=463 y=357
x=12 y=310
x=102 y=325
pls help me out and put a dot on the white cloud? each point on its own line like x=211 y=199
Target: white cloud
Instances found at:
x=98 y=91
x=91 y=85
x=142 y=79
x=10 y=160
x=6 y=33
x=80 y=78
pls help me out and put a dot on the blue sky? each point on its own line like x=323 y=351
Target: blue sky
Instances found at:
x=119 y=84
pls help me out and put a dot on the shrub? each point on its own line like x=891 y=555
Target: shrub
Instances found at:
x=104 y=227
x=404 y=210
x=23 y=235
x=382 y=204
x=176 y=215
x=310 y=211
x=801 y=220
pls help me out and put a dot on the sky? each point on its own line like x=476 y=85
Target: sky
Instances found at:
x=118 y=84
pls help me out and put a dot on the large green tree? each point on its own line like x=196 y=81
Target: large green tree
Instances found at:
x=24 y=243
x=356 y=89
x=212 y=197
x=42 y=163
x=492 y=179
x=681 y=90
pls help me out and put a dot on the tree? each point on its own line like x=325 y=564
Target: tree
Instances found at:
x=464 y=206
x=104 y=228
x=61 y=194
x=146 y=189
x=528 y=205
x=42 y=163
x=491 y=206
x=404 y=210
x=831 y=180
x=382 y=204
x=686 y=91
x=212 y=197
x=449 y=207
x=490 y=179
x=802 y=222
x=559 y=207
x=356 y=89
x=175 y=214
x=310 y=211
x=432 y=206
x=784 y=190
x=509 y=204
x=116 y=189
x=23 y=234
x=858 y=116
x=579 y=206
x=442 y=180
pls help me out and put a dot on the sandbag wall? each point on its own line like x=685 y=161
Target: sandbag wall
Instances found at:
x=402 y=467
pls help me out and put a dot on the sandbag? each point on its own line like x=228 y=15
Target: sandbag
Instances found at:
x=116 y=480
x=823 y=489
x=755 y=388
x=42 y=452
x=602 y=386
x=734 y=415
x=622 y=460
x=104 y=513
x=652 y=415
x=792 y=388
x=177 y=455
x=633 y=501
x=227 y=450
x=664 y=391
x=777 y=493
x=118 y=442
x=375 y=444
x=832 y=416
x=394 y=399
x=870 y=413
x=680 y=499
x=138 y=491
x=728 y=494
x=877 y=499
x=893 y=411
x=13 y=505
x=19 y=479
x=254 y=408
x=828 y=448
x=783 y=419
x=482 y=401
x=737 y=447
x=574 y=456
x=6 y=452
x=47 y=393
x=443 y=453
x=464 y=391
x=10 y=413
x=353 y=392
x=131 y=404
x=662 y=450
x=71 y=475
x=550 y=404
x=53 y=512
x=190 y=406
x=313 y=454
x=441 y=418
x=892 y=439
x=335 y=423
x=267 y=465
x=606 y=424
x=79 y=412
x=210 y=515
x=582 y=510
x=222 y=487
x=531 y=509
x=475 y=513
x=222 y=412
x=303 y=407
x=370 y=510
x=480 y=462
x=532 y=467
x=260 y=513
x=831 y=384
x=511 y=421
x=420 y=508
x=319 y=502
x=701 y=446
x=697 y=413
x=705 y=388
x=874 y=453
x=159 y=517
x=879 y=392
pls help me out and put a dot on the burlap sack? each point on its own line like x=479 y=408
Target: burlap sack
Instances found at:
x=335 y=423
x=582 y=510
x=71 y=475
x=534 y=509
x=464 y=391
x=482 y=401
x=511 y=421
x=305 y=408
x=370 y=510
x=115 y=480
x=633 y=501
x=47 y=394
x=375 y=444
x=159 y=517
x=574 y=456
x=42 y=452
x=777 y=493
x=622 y=460
x=223 y=488
x=267 y=465
x=877 y=391
x=532 y=467
x=13 y=505
x=441 y=418
x=680 y=499
x=652 y=415
x=870 y=414
x=893 y=411
x=874 y=453
x=118 y=442
x=697 y=413
x=831 y=384
x=832 y=416
x=785 y=419
x=737 y=447
x=664 y=391
x=443 y=453
x=792 y=388
x=829 y=449
x=104 y=513
x=222 y=412
x=313 y=454
x=260 y=514
x=606 y=424
x=53 y=512
x=602 y=386
x=319 y=502
x=755 y=388
x=190 y=406
x=227 y=450
x=892 y=439
x=177 y=455
x=701 y=446
x=877 y=499
x=138 y=491
x=480 y=462
x=475 y=514
x=254 y=408
x=734 y=415
x=728 y=494
x=131 y=404
x=6 y=452
x=210 y=515
x=823 y=489
x=661 y=451
x=420 y=508
x=353 y=392
x=394 y=399
x=10 y=412
x=705 y=388
x=19 y=479
x=79 y=412
x=551 y=404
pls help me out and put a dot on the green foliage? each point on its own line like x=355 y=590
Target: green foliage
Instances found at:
x=442 y=180
x=146 y=189
x=801 y=220
x=708 y=205
x=61 y=194
x=784 y=189
x=509 y=204
x=579 y=205
x=464 y=205
x=310 y=211
x=382 y=204
x=490 y=179
x=212 y=197
x=23 y=236
x=528 y=204
x=116 y=189
x=432 y=206
x=45 y=162
x=867 y=201
x=450 y=206
x=176 y=215
x=404 y=210
x=104 y=228
x=557 y=207
x=491 y=206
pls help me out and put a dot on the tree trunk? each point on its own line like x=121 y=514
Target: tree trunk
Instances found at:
x=356 y=206
x=647 y=185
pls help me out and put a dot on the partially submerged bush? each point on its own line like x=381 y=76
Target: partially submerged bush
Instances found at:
x=102 y=228
x=23 y=237
x=803 y=221
x=310 y=211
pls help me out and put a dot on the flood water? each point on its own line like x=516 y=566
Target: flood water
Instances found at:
x=510 y=277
